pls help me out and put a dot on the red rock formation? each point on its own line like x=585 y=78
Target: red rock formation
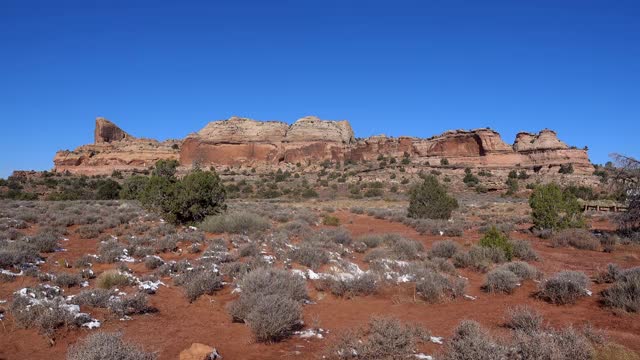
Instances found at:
x=114 y=149
x=106 y=132
x=241 y=141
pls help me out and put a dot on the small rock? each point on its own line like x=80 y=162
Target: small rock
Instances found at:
x=199 y=351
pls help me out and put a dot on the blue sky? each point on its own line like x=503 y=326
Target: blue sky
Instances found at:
x=163 y=69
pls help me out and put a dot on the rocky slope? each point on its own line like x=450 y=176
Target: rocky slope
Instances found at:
x=241 y=141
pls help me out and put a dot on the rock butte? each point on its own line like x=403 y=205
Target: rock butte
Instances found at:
x=246 y=142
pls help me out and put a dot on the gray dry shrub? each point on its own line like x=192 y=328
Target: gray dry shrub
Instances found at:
x=362 y=285
x=384 y=338
x=68 y=280
x=94 y=298
x=443 y=249
x=525 y=319
x=577 y=238
x=130 y=305
x=553 y=344
x=523 y=270
x=309 y=255
x=434 y=287
x=153 y=262
x=564 y=287
x=371 y=240
x=472 y=342
x=201 y=282
x=625 y=292
x=236 y=223
x=522 y=250
x=274 y=317
x=262 y=282
x=501 y=281
x=107 y=346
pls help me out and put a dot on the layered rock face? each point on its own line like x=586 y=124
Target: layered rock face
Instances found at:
x=106 y=132
x=114 y=149
x=242 y=141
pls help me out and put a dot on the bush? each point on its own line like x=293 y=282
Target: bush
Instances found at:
x=201 y=282
x=262 y=282
x=68 y=280
x=577 y=238
x=430 y=200
x=362 y=285
x=371 y=240
x=131 y=305
x=521 y=269
x=274 y=318
x=563 y=344
x=555 y=209
x=501 y=281
x=111 y=278
x=522 y=250
x=108 y=190
x=434 y=287
x=330 y=220
x=406 y=249
x=564 y=287
x=153 y=262
x=494 y=238
x=443 y=249
x=309 y=256
x=198 y=195
x=472 y=342
x=94 y=298
x=525 y=319
x=132 y=187
x=478 y=258
x=625 y=292
x=385 y=338
x=103 y=346
x=235 y=223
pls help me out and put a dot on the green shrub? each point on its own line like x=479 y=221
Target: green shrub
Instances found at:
x=330 y=220
x=108 y=190
x=512 y=186
x=165 y=168
x=133 y=187
x=555 y=209
x=196 y=196
x=430 y=200
x=470 y=179
x=494 y=238
x=566 y=169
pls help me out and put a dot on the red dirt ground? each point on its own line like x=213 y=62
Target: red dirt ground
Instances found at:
x=178 y=323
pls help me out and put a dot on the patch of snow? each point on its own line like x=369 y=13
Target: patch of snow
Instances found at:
x=588 y=292
x=310 y=333
x=9 y=273
x=93 y=324
x=423 y=356
x=299 y=272
x=469 y=297
x=150 y=286
x=193 y=228
x=312 y=275
x=436 y=340
x=84 y=284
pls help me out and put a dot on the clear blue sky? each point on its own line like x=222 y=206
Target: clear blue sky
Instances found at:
x=163 y=69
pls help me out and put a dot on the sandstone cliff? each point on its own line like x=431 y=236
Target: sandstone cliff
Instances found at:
x=242 y=141
x=114 y=149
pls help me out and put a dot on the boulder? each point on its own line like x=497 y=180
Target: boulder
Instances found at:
x=199 y=351
x=106 y=132
x=544 y=140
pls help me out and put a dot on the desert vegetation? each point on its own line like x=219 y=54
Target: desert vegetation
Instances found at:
x=288 y=263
